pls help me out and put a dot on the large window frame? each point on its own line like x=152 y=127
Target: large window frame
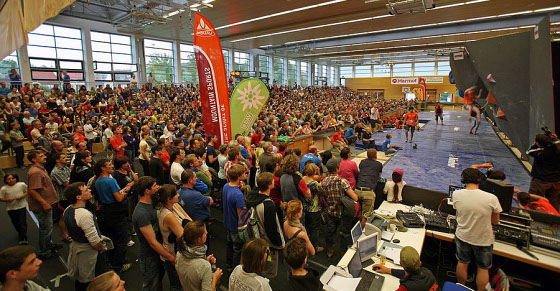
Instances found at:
x=304 y=73
x=425 y=69
x=292 y=72
x=402 y=70
x=279 y=70
x=226 y=60
x=160 y=59
x=381 y=71
x=443 y=68
x=113 y=60
x=189 y=70
x=242 y=61
x=10 y=62
x=53 y=49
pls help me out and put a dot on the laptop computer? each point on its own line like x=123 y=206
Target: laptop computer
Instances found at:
x=370 y=281
x=356 y=233
x=367 y=248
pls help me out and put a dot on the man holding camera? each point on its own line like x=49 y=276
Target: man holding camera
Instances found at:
x=546 y=168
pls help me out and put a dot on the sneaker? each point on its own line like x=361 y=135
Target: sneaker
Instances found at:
x=125 y=268
x=23 y=242
x=406 y=140
x=130 y=243
x=134 y=234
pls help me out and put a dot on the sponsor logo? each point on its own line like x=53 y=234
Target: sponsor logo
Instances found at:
x=203 y=30
x=404 y=80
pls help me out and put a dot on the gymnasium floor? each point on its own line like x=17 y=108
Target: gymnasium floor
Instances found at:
x=443 y=152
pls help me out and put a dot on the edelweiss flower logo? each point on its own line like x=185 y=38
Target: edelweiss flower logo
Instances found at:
x=203 y=29
x=250 y=97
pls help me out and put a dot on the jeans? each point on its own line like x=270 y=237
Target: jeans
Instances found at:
x=174 y=282
x=145 y=166
x=45 y=231
x=352 y=139
x=19 y=221
x=130 y=155
x=482 y=254
x=332 y=227
x=117 y=230
x=313 y=226
x=233 y=249
x=152 y=273
x=19 y=156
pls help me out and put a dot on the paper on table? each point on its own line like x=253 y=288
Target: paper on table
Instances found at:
x=394 y=254
x=344 y=284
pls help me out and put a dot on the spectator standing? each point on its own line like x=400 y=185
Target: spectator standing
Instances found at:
x=332 y=185
x=17 y=139
x=145 y=154
x=194 y=203
x=155 y=167
x=348 y=168
x=477 y=210
x=370 y=172
x=233 y=203
x=14 y=193
x=42 y=199
x=60 y=177
x=56 y=147
x=267 y=221
x=193 y=266
x=83 y=167
x=22 y=265
x=86 y=239
x=312 y=206
x=300 y=277
x=170 y=221
x=113 y=220
x=246 y=276
x=107 y=281
x=144 y=220
x=176 y=156
x=546 y=169
x=311 y=156
x=291 y=182
x=292 y=224
x=117 y=142
x=125 y=176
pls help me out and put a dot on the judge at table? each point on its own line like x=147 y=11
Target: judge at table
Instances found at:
x=414 y=277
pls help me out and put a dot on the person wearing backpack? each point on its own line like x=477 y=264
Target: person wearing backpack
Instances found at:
x=267 y=221
x=334 y=188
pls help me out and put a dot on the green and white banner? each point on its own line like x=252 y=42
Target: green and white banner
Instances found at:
x=245 y=103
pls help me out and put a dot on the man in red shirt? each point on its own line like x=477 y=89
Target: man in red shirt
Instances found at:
x=337 y=141
x=469 y=100
x=439 y=113
x=411 y=121
x=536 y=202
x=117 y=142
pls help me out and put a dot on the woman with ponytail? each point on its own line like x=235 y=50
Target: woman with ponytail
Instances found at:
x=393 y=188
x=193 y=266
x=170 y=220
x=293 y=228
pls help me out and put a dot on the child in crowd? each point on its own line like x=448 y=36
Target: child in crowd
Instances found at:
x=300 y=277
x=14 y=193
x=393 y=188
x=387 y=147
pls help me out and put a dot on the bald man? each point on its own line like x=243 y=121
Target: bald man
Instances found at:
x=56 y=147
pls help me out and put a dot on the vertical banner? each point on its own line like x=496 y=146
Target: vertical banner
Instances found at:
x=247 y=101
x=212 y=80
x=422 y=83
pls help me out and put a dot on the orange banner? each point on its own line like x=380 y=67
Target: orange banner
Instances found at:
x=214 y=95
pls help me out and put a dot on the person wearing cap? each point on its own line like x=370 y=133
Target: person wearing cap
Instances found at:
x=393 y=188
x=414 y=277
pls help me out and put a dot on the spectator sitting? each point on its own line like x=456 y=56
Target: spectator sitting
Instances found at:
x=367 y=139
x=393 y=188
x=387 y=147
x=414 y=277
x=300 y=277
x=351 y=136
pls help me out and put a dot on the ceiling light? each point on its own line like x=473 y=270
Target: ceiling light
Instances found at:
x=281 y=13
x=547 y=9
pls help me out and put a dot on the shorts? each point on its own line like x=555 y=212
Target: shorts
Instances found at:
x=410 y=127
x=482 y=254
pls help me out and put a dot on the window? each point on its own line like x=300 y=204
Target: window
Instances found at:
x=159 y=59
x=241 y=60
x=292 y=72
x=226 y=60
x=443 y=68
x=381 y=71
x=189 y=71
x=363 y=71
x=316 y=71
x=324 y=72
x=112 y=54
x=402 y=70
x=346 y=72
x=425 y=69
x=7 y=64
x=331 y=76
x=304 y=73
x=263 y=64
x=279 y=70
x=53 y=49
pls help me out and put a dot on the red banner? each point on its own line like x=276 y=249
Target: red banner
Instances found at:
x=422 y=83
x=212 y=79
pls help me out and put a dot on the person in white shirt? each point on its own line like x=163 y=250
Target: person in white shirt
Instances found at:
x=477 y=210
x=393 y=188
x=246 y=276
x=14 y=193
x=176 y=168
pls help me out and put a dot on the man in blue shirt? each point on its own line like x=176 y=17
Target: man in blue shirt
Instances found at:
x=191 y=163
x=350 y=135
x=4 y=90
x=233 y=203
x=193 y=202
x=387 y=147
x=113 y=220
x=312 y=155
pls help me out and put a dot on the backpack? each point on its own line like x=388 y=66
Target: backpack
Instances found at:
x=247 y=224
x=350 y=208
